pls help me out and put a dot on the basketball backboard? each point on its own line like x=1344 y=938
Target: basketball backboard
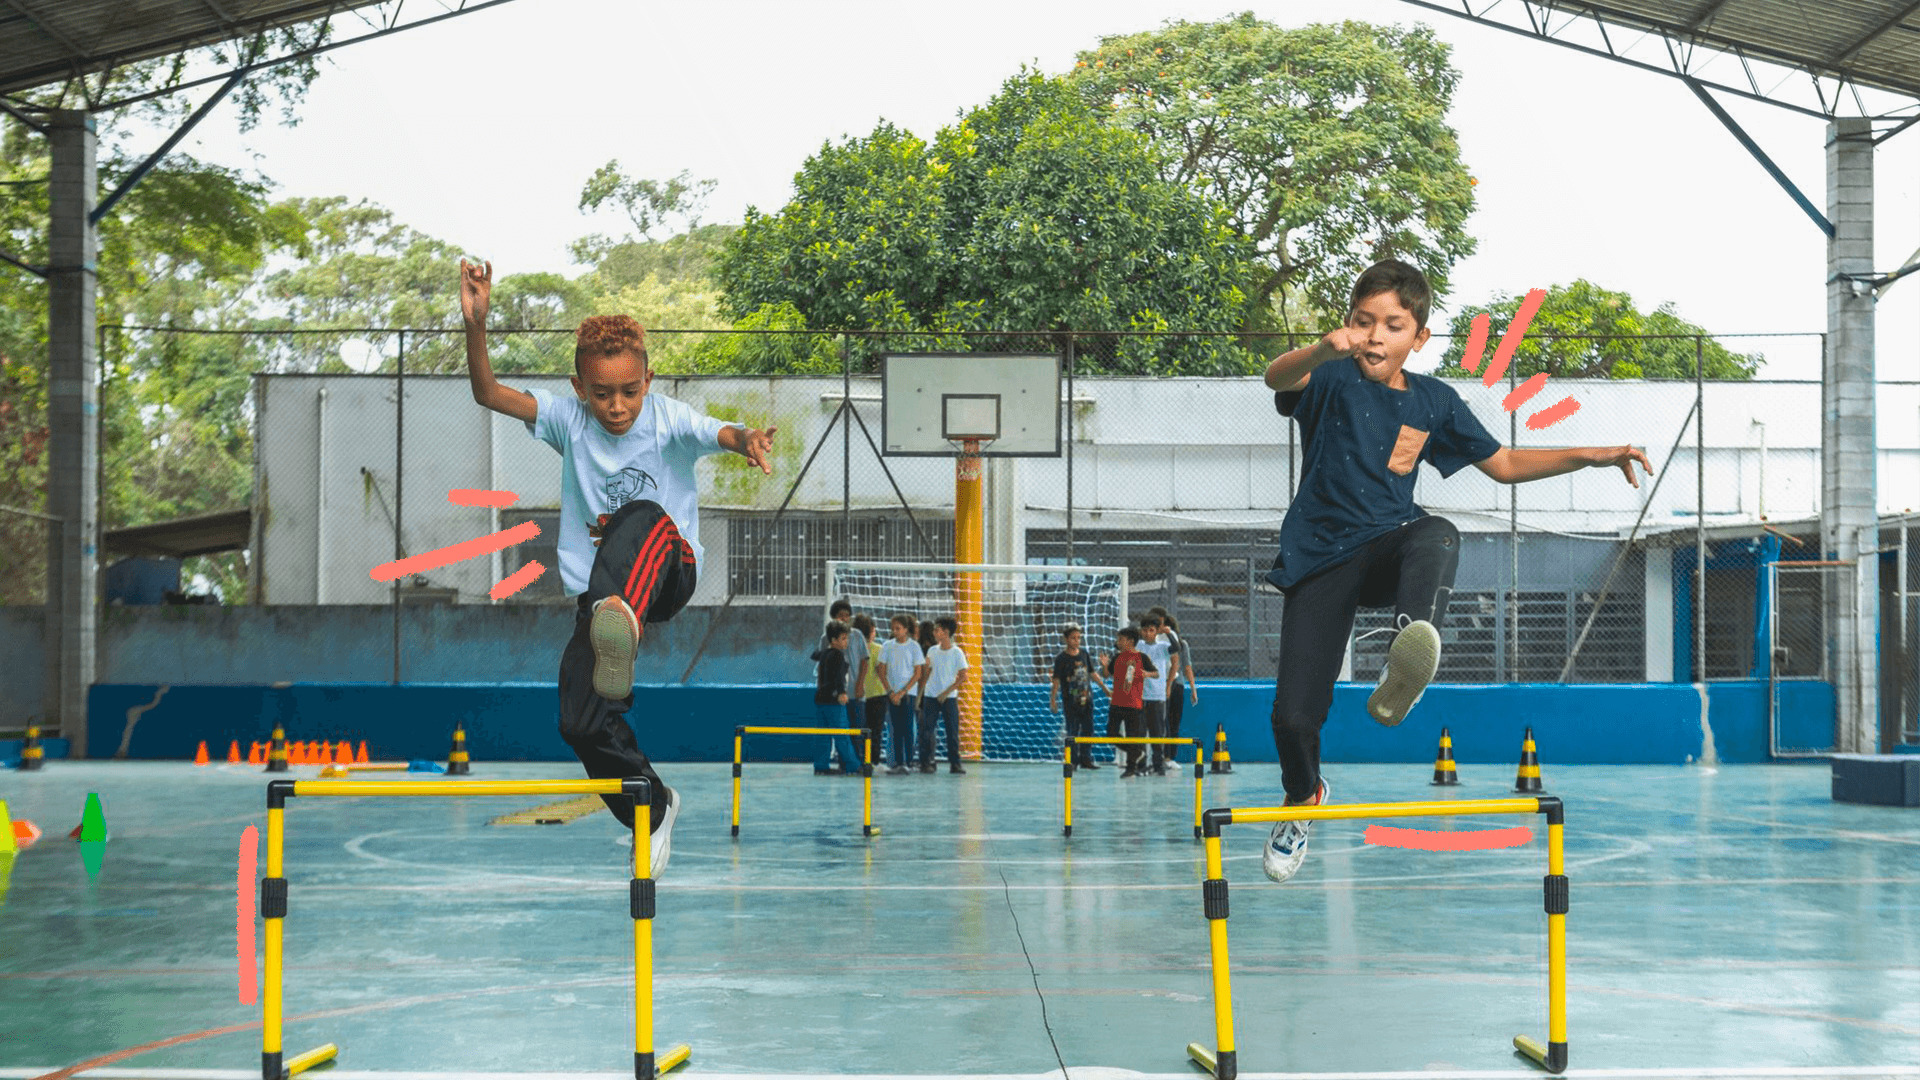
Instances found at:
x=932 y=402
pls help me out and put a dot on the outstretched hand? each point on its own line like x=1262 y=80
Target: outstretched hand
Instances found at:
x=1347 y=340
x=476 y=291
x=1623 y=457
x=756 y=445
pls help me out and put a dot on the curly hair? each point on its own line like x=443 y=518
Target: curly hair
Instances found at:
x=609 y=335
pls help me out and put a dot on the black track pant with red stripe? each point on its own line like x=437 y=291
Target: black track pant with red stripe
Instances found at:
x=643 y=558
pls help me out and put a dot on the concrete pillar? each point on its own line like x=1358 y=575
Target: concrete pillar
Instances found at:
x=1848 y=497
x=73 y=408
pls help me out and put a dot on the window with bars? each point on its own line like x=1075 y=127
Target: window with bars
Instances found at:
x=788 y=558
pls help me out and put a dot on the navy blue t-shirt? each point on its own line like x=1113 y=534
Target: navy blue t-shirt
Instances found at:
x=1361 y=443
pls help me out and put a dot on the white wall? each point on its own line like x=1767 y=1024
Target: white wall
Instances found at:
x=1148 y=454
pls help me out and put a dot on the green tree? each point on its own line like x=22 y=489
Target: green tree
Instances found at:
x=1583 y=331
x=1029 y=213
x=1328 y=144
x=647 y=204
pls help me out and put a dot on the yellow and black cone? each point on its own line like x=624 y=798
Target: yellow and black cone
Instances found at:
x=1528 y=780
x=457 y=757
x=32 y=754
x=1444 y=774
x=277 y=750
x=1222 y=761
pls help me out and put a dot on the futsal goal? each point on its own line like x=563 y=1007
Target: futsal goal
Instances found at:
x=1011 y=619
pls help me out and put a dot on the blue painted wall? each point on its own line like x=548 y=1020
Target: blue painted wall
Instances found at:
x=1647 y=723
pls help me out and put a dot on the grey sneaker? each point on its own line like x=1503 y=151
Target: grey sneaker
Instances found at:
x=1287 y=844
x=660 y=844
x=614 y=633
x=1411 y=661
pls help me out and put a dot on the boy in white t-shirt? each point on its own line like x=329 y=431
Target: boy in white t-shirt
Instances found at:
x=629 y=543
x=900 y=661
x=1154 y=695
x=946 y=671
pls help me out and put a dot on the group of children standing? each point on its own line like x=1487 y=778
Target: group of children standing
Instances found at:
x=872 y=685
x=1152 y=680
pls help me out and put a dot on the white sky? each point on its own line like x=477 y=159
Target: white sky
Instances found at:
x=481 y=130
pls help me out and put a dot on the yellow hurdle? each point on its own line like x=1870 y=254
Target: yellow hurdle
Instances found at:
x=1222 y=1059
x=273 y=903
x=866 y=767
x=1066 y=769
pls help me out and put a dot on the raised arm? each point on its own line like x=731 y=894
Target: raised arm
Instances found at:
x=1289 y=370
x=476 y=292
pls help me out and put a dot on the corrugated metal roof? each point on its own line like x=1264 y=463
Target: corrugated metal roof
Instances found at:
x=1872 y=42
x=46 y=41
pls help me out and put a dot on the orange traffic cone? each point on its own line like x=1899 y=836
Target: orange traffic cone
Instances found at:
x=343 y=753
x=233 y=752
x=361 y=757
x=298 y=755
x=255 y=756
x=200 y=755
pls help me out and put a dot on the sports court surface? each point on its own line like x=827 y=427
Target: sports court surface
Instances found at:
x=1723 y=923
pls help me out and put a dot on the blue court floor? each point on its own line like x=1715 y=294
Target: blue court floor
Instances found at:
x=1724 y=923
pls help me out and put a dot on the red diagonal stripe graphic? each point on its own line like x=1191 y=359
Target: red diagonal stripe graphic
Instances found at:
x=1516 y=330
x=453 y=553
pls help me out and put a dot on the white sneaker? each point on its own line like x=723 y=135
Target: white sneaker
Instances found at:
x=1411 y=661
x=660 y=845
x=614 y=633
x=1287 y=844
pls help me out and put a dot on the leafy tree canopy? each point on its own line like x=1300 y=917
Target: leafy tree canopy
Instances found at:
x=1591 y=316
x=1328 y=144
x=1029 y=213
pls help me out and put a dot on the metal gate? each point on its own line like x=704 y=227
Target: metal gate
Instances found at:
x=1806 y=601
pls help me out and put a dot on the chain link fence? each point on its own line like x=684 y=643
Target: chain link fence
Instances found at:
x=1176 y=465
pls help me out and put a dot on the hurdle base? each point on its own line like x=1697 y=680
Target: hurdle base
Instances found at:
x=648 y=1066
x=319 y=1055
x=1224 y=1066
x=1552 y=1057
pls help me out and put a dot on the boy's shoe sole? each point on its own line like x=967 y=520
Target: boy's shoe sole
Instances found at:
x=660 y=844
x=614 y=633
x=1411 y=661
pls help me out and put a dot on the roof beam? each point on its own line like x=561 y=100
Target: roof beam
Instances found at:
x=1705 y=17
x=1866 y=39
x=1779 y=176
x=40 y=23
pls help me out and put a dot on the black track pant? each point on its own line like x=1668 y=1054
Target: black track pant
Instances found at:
x=1411 y=569
x=643 y=558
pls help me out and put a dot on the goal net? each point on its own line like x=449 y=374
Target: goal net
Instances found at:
x=1010 y=618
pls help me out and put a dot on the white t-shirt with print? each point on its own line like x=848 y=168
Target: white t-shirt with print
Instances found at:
x=601 y=472
x=900 y=659
x=944 y=666
x=1155 y=688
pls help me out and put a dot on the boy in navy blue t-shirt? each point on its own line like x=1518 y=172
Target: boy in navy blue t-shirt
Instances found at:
x=1353 y=535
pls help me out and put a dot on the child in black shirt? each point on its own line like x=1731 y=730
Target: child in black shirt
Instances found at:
x=1353 y=535
x=1074 y=677
x=830 y=701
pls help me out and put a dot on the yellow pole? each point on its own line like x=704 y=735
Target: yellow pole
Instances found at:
x=969 y=546
x=1222 y=983
x=1199 y=780
x=1066 y=772
x=1556 y=950
x=866 y=782
x=270 y=1000
x=736 y=782
x=643 y=937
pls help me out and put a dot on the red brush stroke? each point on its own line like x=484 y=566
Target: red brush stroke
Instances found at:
x=481 y=497
x=1476 y=342
x=1522 y=393
x=465 y=549
x=1552 y=414
x=249 y=853
x=517 y=580
x=1516 y=330
x=1428 y=840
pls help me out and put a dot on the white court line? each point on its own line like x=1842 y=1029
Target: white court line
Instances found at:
x=1085 y=1073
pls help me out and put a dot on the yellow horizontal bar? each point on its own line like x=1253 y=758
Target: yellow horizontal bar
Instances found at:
x=1531 y=1048
x=676 y=1056
x=1094 y=740
x=1248 y=816
x=805 y=731
x=378 y=788
x=316 y=1056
